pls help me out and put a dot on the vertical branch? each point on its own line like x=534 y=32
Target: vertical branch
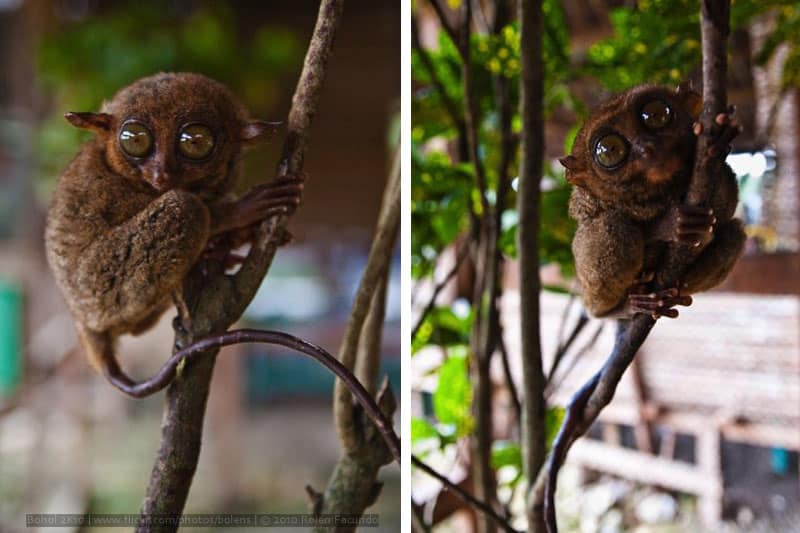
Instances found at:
x=531 y=98
x=353 y=485
x=380 y=255
x=214 y=301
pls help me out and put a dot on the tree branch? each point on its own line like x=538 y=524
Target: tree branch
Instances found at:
x=380 y=255
x=212 y=302
x=463 y=251
x=528 y=203
x=598 y=392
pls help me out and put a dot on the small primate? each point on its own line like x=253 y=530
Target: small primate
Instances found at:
x=148 y=197
x=630 y=167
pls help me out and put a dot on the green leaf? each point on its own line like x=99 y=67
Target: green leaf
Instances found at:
x=506 y=453
x=452 y=400
x=421 y=429
x=552 y=421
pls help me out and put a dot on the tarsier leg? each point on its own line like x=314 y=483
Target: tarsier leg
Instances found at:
x=717 y=259
x=137 y=265
x=609 y=255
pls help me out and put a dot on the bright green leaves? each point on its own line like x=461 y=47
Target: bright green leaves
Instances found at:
x=441 y=198
x=659 y=42
x=443 y=327
x=452 y=400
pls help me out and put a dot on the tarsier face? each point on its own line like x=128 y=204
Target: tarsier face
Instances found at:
x=175 y=131
x=641 y=136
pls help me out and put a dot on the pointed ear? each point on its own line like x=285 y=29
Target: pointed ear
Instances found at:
x=257 y=130
x=692 y=99
x=570 y=162
x=576 y=171
x=96 y=122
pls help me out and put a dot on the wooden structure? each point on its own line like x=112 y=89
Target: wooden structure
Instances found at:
x=729 y=369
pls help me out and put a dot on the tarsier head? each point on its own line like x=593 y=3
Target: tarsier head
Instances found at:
x=640 y=139
x=175 y=131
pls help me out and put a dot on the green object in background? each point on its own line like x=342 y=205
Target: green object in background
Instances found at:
x=10 y=336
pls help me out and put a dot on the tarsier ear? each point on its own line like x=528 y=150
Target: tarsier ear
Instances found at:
x=257 y=130
x=96 y=122
x=694 y=102
x=575 y=173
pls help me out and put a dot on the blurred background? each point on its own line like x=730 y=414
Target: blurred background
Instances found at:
x=69 y=443
x=704 y=431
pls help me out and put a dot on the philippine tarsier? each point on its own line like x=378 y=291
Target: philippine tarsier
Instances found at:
x=148 y=197
x=630 y=167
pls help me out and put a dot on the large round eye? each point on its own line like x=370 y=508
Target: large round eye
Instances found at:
x=611 y=150
x=656 y=114
x=135 y=139
x=195 y=141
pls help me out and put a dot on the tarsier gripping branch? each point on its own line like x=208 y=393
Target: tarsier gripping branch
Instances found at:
x=630 y=168
x=147 y=198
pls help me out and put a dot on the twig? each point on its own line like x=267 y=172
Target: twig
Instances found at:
x=460 y=256
x=213 y=302
x=483 y=507
x=562 y=349
x=512 y=387
x=552 y=385
x=598 y=392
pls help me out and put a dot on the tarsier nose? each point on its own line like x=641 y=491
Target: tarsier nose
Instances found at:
x=160 y=179
x=644 y=149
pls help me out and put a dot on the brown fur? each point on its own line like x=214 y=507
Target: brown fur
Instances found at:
x=617 y=209
x=123 y=232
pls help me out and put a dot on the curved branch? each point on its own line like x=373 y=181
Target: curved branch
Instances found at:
x=165 y=375
x=598 y=392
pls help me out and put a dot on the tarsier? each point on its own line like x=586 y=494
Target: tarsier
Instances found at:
x=630 y=167
x=148 y=197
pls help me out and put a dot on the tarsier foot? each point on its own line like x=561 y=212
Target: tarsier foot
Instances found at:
x=658 y=303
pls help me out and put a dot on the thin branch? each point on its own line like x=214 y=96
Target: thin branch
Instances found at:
x=211 y=302
x=483 y=507
x=552 y=386
x=463 y=251
x=444 y=21
x=380 y=255
x=587 y=403
x=512 y=387
x=562 y=349
x=368 y=360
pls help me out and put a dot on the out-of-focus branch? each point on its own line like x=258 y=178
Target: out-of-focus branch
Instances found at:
x=353 y=485
x=380 y=255
x=528 y=203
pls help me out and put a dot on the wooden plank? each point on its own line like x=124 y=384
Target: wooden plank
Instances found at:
x=640 y=467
